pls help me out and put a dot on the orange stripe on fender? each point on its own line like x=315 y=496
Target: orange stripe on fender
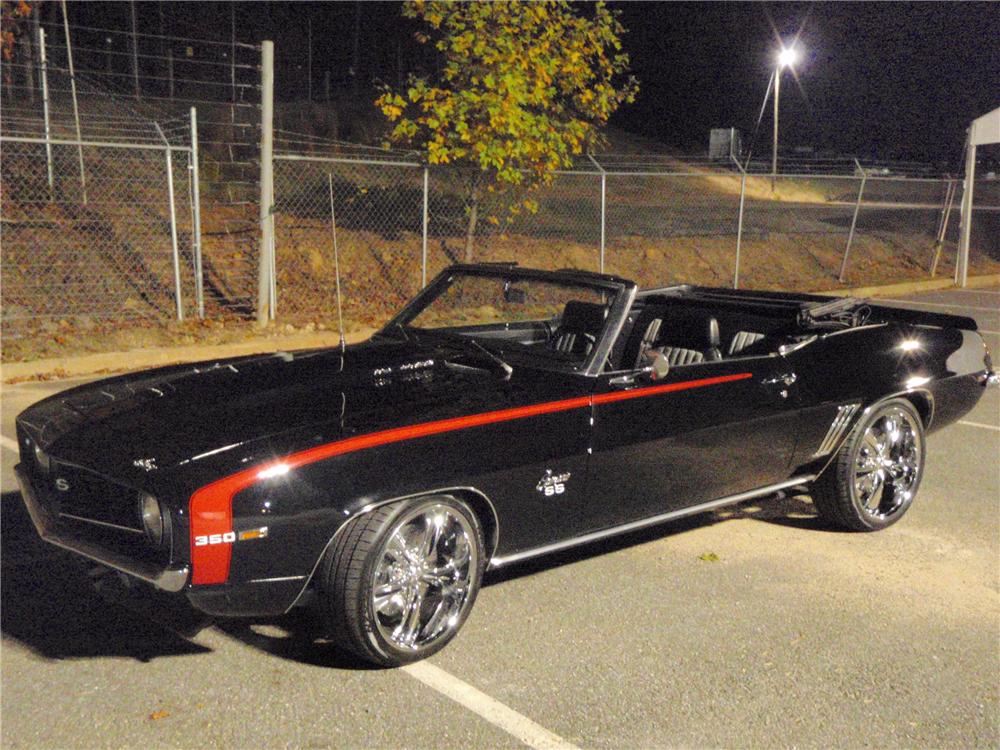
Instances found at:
x=211 y=506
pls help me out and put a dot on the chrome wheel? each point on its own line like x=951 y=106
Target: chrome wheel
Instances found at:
x=888 y=463
x=424 y=575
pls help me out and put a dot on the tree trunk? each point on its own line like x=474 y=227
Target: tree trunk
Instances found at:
x=470 y=233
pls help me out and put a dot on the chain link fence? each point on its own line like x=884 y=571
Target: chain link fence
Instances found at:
x=96 y=230
x=399 y=223
x=87 y=218
x=113 y=212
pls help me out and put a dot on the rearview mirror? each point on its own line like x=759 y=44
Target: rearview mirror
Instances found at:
x=512 y=294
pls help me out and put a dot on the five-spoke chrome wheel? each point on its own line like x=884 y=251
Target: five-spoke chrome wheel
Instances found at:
x=888 y=462
x=422 y=580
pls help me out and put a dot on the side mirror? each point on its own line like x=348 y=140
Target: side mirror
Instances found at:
x=660 y=367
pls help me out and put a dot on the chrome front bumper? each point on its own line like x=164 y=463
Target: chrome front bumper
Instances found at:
x=171 y=579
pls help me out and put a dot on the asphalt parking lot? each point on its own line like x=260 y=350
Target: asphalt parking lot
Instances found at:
x=794 y=636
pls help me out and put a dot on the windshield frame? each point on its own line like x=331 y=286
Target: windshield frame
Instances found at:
x=622 y=292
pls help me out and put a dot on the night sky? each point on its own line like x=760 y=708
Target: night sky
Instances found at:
x=887 y=80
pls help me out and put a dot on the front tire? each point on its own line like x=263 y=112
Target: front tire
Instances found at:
x=872 y=480
x=401 y=580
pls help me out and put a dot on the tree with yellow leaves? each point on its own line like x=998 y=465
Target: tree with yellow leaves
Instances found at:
x=523 y=88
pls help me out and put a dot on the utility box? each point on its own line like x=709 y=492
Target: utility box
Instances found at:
x=724 y=144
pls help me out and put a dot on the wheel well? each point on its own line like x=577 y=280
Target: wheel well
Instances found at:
x=922 y=403
x=484 y=512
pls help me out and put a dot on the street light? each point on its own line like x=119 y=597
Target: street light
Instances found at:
x=787 y=58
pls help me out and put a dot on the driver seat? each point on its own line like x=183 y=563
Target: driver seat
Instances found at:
x=578 y=330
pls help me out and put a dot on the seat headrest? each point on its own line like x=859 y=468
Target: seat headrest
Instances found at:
x=585 y=317
x=713 y=333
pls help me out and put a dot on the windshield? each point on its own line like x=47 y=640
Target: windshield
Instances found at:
x=553 y=320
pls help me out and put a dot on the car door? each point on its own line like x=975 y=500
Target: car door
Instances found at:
x=704 y=431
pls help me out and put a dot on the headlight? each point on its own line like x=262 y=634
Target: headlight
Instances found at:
x=152 y=518
x=42 y=459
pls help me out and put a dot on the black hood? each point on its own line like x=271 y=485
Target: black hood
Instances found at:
x=172 y=415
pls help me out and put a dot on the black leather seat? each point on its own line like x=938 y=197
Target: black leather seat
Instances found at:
x=578 y=330
x=683 y=340
x=742 y=340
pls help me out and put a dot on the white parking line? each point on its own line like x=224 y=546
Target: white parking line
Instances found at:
x=496 y=713
x=8 y=443
x=935 y=304
x=995 y=333
x=980 y=424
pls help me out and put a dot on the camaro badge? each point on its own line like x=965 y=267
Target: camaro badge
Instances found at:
x=552 y=484
x=145 y=463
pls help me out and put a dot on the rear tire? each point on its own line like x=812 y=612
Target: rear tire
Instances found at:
x=400 y=581
x=873 y=478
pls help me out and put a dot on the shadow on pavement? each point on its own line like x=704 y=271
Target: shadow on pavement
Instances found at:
x=49 y=604
x=296 y=636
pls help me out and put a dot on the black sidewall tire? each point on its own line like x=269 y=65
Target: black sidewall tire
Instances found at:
x=852 y=513
x=389 y=654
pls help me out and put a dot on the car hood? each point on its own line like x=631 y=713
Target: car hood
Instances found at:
x=126 y=426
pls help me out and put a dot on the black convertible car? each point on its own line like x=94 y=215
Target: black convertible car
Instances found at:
x=504 y=413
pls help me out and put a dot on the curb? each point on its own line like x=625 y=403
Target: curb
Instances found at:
x=63 y=368
x=910 y=287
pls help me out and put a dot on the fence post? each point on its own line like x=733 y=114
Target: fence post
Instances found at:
x=423 y=251
x=45 y=112
x=739 y=231
x=739 y=221
x=854 y=222
x=199 y=289
x=173 y=222
x=170 y=71
x=265 y=310
x=965 y=217
x=135 y=51
x=604 y=206
x=949 y=200
x=76 y=108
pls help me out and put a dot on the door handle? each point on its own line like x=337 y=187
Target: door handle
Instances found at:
x=630 y=380
x=786 y=379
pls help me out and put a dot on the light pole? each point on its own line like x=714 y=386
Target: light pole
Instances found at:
x=786 y=58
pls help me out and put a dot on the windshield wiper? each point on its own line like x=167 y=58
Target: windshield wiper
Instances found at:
x=507 y=369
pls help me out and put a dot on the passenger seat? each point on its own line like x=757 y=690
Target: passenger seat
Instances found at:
x=741 y=340
x=676 y=344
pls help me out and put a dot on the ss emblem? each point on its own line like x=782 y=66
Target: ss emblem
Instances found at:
x=552 y=484
x=62 y=485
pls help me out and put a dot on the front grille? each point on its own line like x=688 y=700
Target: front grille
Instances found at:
x=96 y=509
x=87 y=496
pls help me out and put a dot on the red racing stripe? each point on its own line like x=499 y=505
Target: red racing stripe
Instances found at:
x=211 y=506
x=607 y=398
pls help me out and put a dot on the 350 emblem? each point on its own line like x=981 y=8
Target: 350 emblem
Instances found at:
x=228 y=538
